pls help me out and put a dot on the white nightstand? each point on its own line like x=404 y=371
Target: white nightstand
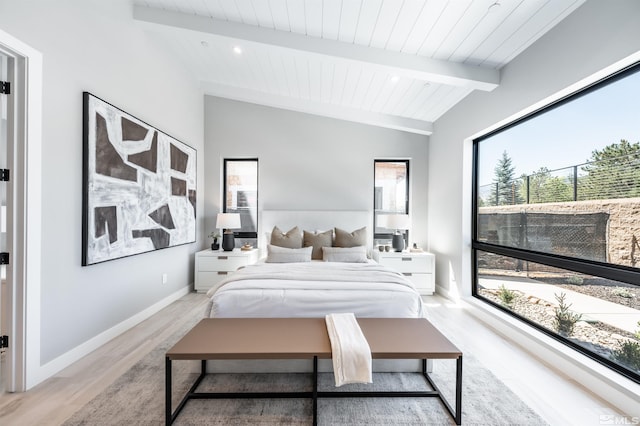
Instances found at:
x=419 y=268
x=212 y=266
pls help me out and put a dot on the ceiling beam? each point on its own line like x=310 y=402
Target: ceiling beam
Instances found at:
x=317 y=108
x=395 y=63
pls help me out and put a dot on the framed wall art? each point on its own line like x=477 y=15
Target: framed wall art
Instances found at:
x=139 y=186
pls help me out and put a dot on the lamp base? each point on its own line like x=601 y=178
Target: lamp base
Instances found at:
x=228 y=241
x=398 y=242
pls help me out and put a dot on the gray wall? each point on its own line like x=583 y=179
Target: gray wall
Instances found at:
x=595 y=36
x=93 y=45
x=308 y=162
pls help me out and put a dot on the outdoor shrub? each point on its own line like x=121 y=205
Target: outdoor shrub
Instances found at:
x=575 y=279
x=638 y=332
x=628 y=354
x=506 y=296
x=623 y=292
x=564 y=320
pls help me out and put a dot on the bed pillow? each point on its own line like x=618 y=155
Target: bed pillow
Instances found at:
x=290 y=239
x=345 y=254
x=350 y=239
x=317 y=240
x=276 y=254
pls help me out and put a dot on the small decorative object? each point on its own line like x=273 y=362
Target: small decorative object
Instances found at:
x=246 y=247
x=228 y=221
x=387 y=248
x=215 y=245
x=415 y=249
x=381 y=247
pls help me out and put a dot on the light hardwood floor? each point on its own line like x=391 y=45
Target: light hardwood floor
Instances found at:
x=556 y=398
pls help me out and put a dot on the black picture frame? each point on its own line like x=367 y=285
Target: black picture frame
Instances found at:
x=139 y=185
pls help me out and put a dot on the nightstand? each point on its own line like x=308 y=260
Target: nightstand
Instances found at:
x=419 y=268
x=212 y=266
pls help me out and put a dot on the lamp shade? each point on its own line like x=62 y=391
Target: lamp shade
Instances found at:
x=395 y=221
x=228 y=221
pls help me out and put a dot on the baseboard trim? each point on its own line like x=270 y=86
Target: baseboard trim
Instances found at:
x=54 y=366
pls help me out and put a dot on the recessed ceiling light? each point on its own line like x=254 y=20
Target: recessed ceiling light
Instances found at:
x=237 y=50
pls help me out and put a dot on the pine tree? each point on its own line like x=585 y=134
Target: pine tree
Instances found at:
x=506 y=189
x=613 y=172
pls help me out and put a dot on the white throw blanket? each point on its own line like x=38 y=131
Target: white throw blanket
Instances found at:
x=350 y=350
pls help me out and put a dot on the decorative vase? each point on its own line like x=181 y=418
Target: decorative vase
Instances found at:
x=215 y=245
x=397 y=242
x=228 y=241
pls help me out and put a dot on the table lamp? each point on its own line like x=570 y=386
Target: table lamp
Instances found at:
x=399 y=222
x=227 y=222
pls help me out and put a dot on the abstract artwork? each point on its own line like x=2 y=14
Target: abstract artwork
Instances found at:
x=139 y=186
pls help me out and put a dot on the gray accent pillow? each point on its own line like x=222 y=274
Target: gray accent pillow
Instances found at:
x=350 y=239
x=345 y=254
x=290 y=239
x=317 y=241
x=277 y=254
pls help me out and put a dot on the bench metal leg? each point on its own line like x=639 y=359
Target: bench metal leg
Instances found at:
x=315 y=391
x=169 y=416
x=457 y=414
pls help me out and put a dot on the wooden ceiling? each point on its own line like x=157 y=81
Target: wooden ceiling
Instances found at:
x=392 y=63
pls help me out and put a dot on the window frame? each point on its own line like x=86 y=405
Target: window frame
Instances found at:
x=605 y=270
x=389 y=235
x=240 y=234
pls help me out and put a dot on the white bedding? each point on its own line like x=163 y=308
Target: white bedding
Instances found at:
x=315 y=289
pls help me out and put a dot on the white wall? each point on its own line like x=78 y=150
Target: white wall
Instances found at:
x=306 y=161
x=93 y=45
x=595 y=36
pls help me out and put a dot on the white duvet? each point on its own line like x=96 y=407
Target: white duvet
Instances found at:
x=315 y=289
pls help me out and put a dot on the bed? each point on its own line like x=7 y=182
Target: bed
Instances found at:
x=303 y=288
x=315 y=288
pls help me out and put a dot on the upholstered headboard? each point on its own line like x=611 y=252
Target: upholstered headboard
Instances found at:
x=314 y=220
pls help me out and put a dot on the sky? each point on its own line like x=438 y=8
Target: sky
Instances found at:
x=567 y=135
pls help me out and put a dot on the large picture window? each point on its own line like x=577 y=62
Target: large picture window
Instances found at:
x=557 y=220
x=241 y=196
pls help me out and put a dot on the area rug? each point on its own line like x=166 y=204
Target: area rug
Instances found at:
x=137 y=398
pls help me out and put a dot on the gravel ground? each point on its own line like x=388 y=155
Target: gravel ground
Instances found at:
x=626 y=296
x=598 y=337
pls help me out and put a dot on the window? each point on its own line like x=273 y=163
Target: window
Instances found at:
x=391 y=195
x=557 y=221
x=241 y=196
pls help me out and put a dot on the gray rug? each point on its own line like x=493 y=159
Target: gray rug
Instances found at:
x=137 y=398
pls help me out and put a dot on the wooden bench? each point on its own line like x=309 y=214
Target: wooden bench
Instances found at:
x=307 y=338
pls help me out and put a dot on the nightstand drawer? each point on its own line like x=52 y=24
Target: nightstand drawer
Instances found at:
x=424 y=283
x=222 y=263
x=209 y=280
x=213 y=266
x=407 y=263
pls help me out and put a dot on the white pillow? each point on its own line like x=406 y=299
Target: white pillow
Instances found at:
x=356 y=254
x=276 y=254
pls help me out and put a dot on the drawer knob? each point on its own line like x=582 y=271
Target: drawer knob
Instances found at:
x=407 y=274
x=223 y=257
x=407 y=259
x=222 y=273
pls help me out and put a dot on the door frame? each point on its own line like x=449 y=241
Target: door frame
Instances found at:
x=24 y=143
